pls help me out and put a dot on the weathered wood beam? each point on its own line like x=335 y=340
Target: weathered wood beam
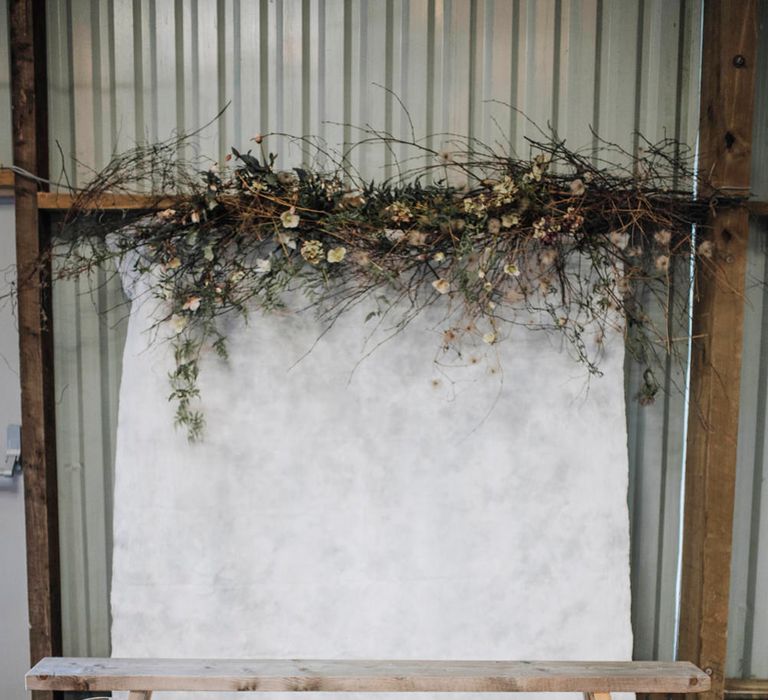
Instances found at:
x=52 y=201
x=727 y=101
x=746 y=689
x=38 y=449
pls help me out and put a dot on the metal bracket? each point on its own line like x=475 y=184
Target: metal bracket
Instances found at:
x=12 y=465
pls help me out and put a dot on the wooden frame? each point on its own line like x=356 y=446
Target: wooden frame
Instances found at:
x=725 y=139
x=38 y=449
x=595 y=679
x=726 y=108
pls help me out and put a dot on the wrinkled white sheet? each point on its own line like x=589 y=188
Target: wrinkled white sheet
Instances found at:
x=386 y=508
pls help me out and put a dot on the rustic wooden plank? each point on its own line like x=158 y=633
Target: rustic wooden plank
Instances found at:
x=746 y=688
x=50 y=201
x=6 y=178
x=365 y=676
x=727 y=100
x=38 y=449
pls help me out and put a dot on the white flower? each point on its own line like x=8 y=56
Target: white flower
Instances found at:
x=178 y=323
x=394 y=235
x=510 y=220
x=494 y=226
x=439 y=256
x=287 y=240
x=289 y=218
x=442 y=286
x=706 y=249
x=662 y=263
x=264 y=265
x=489 y=338
x=619 y=238
x=512 y=270
x=578 y=187
x=663 y=237
x=417 y=238
x=191 y=304
x=336 y=255
x=195 y=217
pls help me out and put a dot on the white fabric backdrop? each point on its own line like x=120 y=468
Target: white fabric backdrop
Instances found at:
x=386 y=509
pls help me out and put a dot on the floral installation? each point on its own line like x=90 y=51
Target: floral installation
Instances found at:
x=581 y=242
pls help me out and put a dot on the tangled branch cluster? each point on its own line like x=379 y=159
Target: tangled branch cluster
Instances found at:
x=562 y=241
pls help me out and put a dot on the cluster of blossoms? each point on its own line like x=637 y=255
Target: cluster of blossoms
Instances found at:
x=552 y=235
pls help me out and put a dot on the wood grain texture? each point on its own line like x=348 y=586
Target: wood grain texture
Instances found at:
x=365 y=676
x=6 y=179
x=746 y=688
x=727 y=100
x=52 y=201
x=38 y=448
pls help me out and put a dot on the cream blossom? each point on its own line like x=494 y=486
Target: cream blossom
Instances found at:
x=439 y=256
x=191 y=304
x=336 y=255
x=512 y=270
x=706 y=249
x=578 y=187
x=510 y=220
x=489 y=338
x=663 y=237
x=619 y=238
x=264 y=265
x=662 y=263
x=178 y=323
x=442 y=286
x=289 y=218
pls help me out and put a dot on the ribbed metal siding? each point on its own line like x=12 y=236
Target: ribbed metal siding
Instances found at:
x=6 y=145
x=135 y=71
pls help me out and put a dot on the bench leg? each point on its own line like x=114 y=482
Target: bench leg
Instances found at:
x=597 y=696
x=139 y=695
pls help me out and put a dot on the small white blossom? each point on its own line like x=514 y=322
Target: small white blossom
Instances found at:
x=489 y=338
x=663 y=237
x=442 y=286
x=178 y=323
x=662 y=263
x=289 y=218
x=706 y=249
x=510 y=220
x=264 y=265
x=191 y=304
x=512 y=270
x=439 y=256
x=619 y=238
x=336 y=255
x=578 y=187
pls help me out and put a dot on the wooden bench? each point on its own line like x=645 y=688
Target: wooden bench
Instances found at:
x=596 y=680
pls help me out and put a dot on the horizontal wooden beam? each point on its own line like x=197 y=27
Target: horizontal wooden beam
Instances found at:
x=6 y=178
x=366 y=675
x=52 y=201
x=746 y=689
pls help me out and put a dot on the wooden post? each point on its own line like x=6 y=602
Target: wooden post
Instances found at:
x=727 y=100
x=38 y=450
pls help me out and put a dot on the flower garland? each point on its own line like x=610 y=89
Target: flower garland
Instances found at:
x=574 y=240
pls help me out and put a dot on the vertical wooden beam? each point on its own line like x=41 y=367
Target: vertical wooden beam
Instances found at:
x=727 y=101
x=38 y=450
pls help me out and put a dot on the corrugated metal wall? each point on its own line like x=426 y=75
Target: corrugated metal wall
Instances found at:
x=6 y=147
x=134 y=71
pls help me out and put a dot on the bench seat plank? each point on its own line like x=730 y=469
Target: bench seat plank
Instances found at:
x=87 y=674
